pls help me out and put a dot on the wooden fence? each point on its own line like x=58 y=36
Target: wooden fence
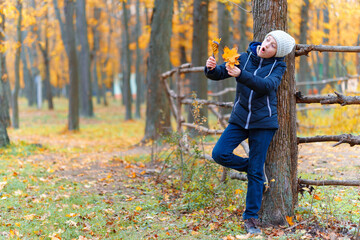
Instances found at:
x=176 y=100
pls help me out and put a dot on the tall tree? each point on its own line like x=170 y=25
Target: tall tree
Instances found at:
x=46 y=57
x=33 y=60
x=243 y=26
x=94 y=54
x=139 y=72
x=281 y=165
x=84 y=60
x=73 y=117
x=26 y=74
x=157 y=106
x=326 y=19
x=225 y=35
x=199 y=54
x=4 y=105
x=126 y=63
x=304 y=67
x=15 y=92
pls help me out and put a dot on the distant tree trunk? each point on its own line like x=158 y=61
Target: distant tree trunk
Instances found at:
x=199 y=54
x=73 y=117
x=126 y=63
x=4 y=104
x=304 y=67
x=326 y=62
x=62 y=26
x=26 y=75
x=139 y=73
x=15 y=92
x=84 y=60
x=224 y=34
x=183 y=58
x=45 y=53
x=157 y=108
x=243 y=27
x=94 y=55
x=280 y=200
x=34 y=63
x=358 y=57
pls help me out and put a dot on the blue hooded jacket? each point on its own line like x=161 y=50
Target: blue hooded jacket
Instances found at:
x=255 y=105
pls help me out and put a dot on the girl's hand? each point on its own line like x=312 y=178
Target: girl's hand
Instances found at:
x=234 y=72
x=211 y=63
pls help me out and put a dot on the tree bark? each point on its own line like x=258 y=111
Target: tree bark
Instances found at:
x=281 y=164
x=73 y=117
x=243 y=27
x=4 y=104
x=45 y=53
x=326 y=62
x=33 y=59
x=94 y=55
x=126 y=63
x=139 y=72
x=26 y=75
x=157 y=106
x=304 y=66
x=15 y=92
x=84 y=60
x=199 y=54
x=224 y=34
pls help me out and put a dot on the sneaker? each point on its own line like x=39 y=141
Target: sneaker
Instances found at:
x=251 y=226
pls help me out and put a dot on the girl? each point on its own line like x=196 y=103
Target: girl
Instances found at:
x=254 y=115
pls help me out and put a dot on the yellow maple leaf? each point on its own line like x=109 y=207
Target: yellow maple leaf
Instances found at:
x=215 y=45
x=290 y=220
x=231 y=56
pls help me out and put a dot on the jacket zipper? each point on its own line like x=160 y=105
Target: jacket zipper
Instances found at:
x=268 y=103
x=250 y=97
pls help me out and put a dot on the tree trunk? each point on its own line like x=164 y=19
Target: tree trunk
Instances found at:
x=15 y=92
x=182 y=36
x=281 y=165
x=199 y=54
x=326 y=71
x=84 y=60
x=243 y=27
x=126 y=64
x=33 y=59
x=4 y=104
x=304 y=67
x=26 y=75
x=224 y=34
x=139 y=73
x=358 y=57
x=73 y=117
x=157 y=106
x=45 y=52
x=94 y=55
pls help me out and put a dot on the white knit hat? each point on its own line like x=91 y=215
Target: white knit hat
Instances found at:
x=285 y=42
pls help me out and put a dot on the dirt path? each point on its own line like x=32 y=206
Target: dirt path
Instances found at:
x=109 y=171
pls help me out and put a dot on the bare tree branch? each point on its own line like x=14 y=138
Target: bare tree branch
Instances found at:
x=304 y=49
x=329 y=182
x=343 y=138
x=330 y=99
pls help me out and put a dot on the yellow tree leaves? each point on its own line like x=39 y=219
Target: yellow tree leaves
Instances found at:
x=231 y=56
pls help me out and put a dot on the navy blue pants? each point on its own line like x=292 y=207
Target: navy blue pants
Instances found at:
x=259 y=141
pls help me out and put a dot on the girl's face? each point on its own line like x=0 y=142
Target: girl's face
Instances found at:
x=268 y=48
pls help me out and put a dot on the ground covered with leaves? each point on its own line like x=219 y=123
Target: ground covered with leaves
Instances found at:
x=97 y=184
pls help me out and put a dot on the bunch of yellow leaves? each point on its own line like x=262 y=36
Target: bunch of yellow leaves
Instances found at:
x=215 y=45
x=231 y=56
